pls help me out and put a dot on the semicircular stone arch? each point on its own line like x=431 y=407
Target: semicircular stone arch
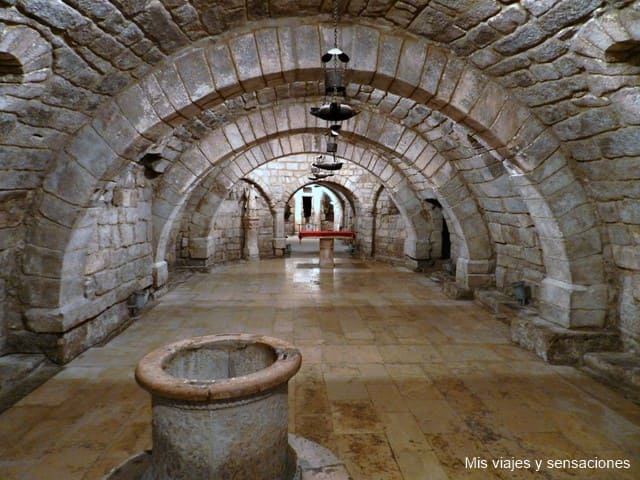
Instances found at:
x=222 y=144
x=215 y=191
x=404 y=65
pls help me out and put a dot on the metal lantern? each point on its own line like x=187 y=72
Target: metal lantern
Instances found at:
x=324 y=165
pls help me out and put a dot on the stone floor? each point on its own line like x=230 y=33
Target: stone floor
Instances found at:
x=397 y=380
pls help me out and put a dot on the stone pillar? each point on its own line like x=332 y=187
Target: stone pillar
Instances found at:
x=366 y=232
x=475 y=273
x=279 y=237
x=251 y=225
x=572 y=306
x=251 y=228
x=326 y=252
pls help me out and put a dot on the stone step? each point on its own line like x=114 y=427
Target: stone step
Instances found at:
x=21 y=373
x=558 y=345
x=619 y=369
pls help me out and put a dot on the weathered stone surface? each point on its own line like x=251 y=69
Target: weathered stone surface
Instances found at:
x=561 y=346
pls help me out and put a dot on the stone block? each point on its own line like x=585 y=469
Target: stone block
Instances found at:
x=115 y=129
x=508 y=122
x=561 y=346
x=306 y=48
x=451 y=75
x=67 y=183
x=245 y=54
x=410 y=68
x=196 y=77
x=105 y=281
x=159 y=101
x=487 y=107
x=171 y=83
x=138 y=110
x=388 y=57
x=475 y=273
x=223 y=70
x=269 y=55
x=215 y=146
x=364 y=54
x=626 y=256
x=97 y=261
x=201 y=248
x=469 y=90
x=571 y=305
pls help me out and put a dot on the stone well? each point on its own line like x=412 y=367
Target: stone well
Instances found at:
x=219 y=408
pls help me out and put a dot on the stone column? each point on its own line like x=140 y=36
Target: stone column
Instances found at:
x=251 y=227
x=326 y=252
x=366 y=232
x=279 y=237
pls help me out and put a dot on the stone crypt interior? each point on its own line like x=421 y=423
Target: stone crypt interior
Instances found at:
x=158 y=165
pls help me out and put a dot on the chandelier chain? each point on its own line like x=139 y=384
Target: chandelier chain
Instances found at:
x=335 y=23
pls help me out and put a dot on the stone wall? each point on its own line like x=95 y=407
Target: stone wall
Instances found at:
x=119 y=253
x=112 y=259
x=228 y=230
x=13 y=205
x=389 y=230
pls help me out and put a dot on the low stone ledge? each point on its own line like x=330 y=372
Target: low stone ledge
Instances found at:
x=62 y=347
x=620 y=370
x=558 y=345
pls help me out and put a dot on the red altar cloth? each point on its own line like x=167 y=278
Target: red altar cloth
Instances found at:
x=326 y=233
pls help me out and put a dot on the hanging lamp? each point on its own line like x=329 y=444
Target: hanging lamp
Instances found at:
x=335 y=66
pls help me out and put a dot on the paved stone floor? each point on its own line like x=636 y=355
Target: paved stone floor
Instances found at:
x=399 y=381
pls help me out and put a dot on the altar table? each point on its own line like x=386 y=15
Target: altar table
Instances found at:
x=327 y=238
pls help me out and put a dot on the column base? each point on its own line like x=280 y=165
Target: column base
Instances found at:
x=573 y=306
x=472 y=274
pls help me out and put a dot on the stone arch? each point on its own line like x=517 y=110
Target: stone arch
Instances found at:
x=404 y=65
x=207 y=209
x=231 y=167
x=25 y=56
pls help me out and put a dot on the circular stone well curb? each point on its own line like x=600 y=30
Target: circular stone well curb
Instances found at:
x=314 y=462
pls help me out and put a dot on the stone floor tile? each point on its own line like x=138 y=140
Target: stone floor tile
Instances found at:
x=367 y=456
x=355 y=417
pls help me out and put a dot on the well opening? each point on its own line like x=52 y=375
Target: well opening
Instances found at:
x=220 y=361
